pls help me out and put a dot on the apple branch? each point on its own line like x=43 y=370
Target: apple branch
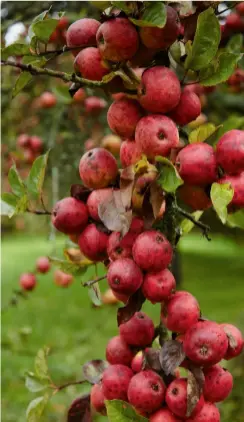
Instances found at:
x=39 y=212
x=204 y=227
x=68 y=384
x=66 y=77
x=96 y=280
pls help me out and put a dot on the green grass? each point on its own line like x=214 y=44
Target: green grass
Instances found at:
x=76 y=332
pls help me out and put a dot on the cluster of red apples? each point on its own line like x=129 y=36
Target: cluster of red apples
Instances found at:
x=28 y=281
x=148 y=126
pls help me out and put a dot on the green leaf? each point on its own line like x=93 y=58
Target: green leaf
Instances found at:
x=206 y=41
x=38 y=18
x=62 y=94
x=26 y=77
x=101 y=5
x=8 y=204
x=33 y=383
x=236 y=219
x=154 y=15
x=221 y=195
x=69 y=267
x=35 y=409
x=15 y=181
x=15 y=49
x=201 y=133
x=95 y=294
x=22 y=205
x=233 y=122
x=34 y=61
x=23 y=79
x=187 y=225
x=37 y=175
x=120 y=411
x=16 y=205
x=234 y=45
x=220 y=70
x=169 y=179
x=44 y=29
x=122 y=5
x=41 y=367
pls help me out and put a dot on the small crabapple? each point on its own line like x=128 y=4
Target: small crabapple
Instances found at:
x=27 y=281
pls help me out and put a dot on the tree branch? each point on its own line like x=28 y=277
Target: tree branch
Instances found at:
x=205 y=228
x=39 y=212
x=91 y=282
x=66 y=77
x=227 y=8
x=68 y=384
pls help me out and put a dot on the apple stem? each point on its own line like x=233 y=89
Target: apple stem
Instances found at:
x=205 y=228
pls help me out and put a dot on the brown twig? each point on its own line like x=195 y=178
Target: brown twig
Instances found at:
x=66 y=77
x=39 y=212
x=91 y=282
x=68 y=384
x=205 y=228
x=227 y=8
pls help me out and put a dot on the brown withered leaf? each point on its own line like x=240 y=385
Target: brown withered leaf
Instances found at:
x=195 y=381
x=232 y=341
x=93 y=370
x=156 y=198
x=198 y=374
x=151 y=359
x=114 y=215
x=79 y=192
x=127 y=181
x=79 y=410
x=133 y=305
x=75 y=256
x=171 y=356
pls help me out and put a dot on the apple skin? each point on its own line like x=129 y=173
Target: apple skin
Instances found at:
x=90 y=65
x=82 y=33
x=117 y=40
x=123 y=116
x=159 y=90
x=188 y=109
x=156 y=135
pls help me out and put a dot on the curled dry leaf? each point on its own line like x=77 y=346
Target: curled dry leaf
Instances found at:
x=113 y=213
x=108 y=298
x=195 y=382
x=151 y=359
x=133 y=305
x=75 y=255
x=79 y=410
x=93 y=370
x=157 y=200
x=127 y=181
x=171 y=356
x=232 y=341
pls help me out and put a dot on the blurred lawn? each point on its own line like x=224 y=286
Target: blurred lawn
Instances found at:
x=76 y=332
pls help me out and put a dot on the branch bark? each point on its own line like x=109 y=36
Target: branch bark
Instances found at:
x=205 y=228
x=91 y=282
x=66 y=77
